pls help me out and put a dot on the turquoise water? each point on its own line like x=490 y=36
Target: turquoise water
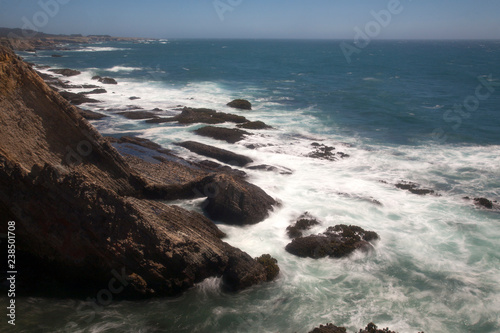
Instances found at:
x=426 y=112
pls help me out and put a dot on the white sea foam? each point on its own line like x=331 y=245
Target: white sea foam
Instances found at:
x=123 y=69
x=99 y=49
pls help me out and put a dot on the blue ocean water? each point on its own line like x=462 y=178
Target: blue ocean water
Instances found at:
x=422 y=111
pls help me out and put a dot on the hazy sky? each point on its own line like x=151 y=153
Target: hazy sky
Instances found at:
x=330 y=19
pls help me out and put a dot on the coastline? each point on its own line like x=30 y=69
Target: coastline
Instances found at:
x=412 y=188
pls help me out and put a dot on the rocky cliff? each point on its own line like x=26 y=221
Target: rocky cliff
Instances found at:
x=79 y=207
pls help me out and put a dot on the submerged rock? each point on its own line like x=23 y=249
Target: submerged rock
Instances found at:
x=483 y=202
x=230 y=135
x=305 y=222
x=137 y=115
x=206 y=116
x=242 y=104
x=324 y=152
x=271 y=168
x=254 y=125
x=219 y=154
x=413 y=188
x=336 y=242
x=105 y=80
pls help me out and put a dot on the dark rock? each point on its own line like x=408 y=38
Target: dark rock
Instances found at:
x=65 y=72
x=91 y=115
x=107 y=80
x=242 y=272
x=413 y=188
x=483 y=202
x=89 y=86
x=206 y=116
x=56 y=56
x=270 y=265
x=96 y=77
x=234 y=201
x=372 y=328
x=335 y=242
x=231 y=135
x=77 y=99
x=304 y=222
x=325 y=152
x=137 y=115
x=242 y=104
x=133 y=98
x=222 y=155
x=95 y=91
x=329 y=328
x=157 y=109
x=255 y=125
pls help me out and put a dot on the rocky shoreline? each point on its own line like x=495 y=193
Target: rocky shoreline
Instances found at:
x=88 y=206
x=83 y=211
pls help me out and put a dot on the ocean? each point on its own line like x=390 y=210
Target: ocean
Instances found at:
x=421 y=111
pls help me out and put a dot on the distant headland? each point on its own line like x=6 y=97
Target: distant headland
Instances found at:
x=31 y=40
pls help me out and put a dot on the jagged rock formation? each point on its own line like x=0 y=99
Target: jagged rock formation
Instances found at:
x=80 y=210
x=336 y=242
x=305 y=222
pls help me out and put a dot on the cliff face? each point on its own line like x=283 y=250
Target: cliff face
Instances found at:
x=78 y=208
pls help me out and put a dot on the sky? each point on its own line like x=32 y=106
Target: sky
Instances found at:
x=295 y=19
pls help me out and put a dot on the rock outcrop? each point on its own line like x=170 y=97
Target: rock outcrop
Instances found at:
x=336 y=242
x=80 y=211
x=66 y=72
x=235 y=201
x=324 y=152
x=413 y=188
x=222 y=155
x=305 y=222
x=230 y=135
x=254 y=125
x=104 y=80
x=205 y=116
x=370 y=328
x=77 y=99
x=242 y=104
